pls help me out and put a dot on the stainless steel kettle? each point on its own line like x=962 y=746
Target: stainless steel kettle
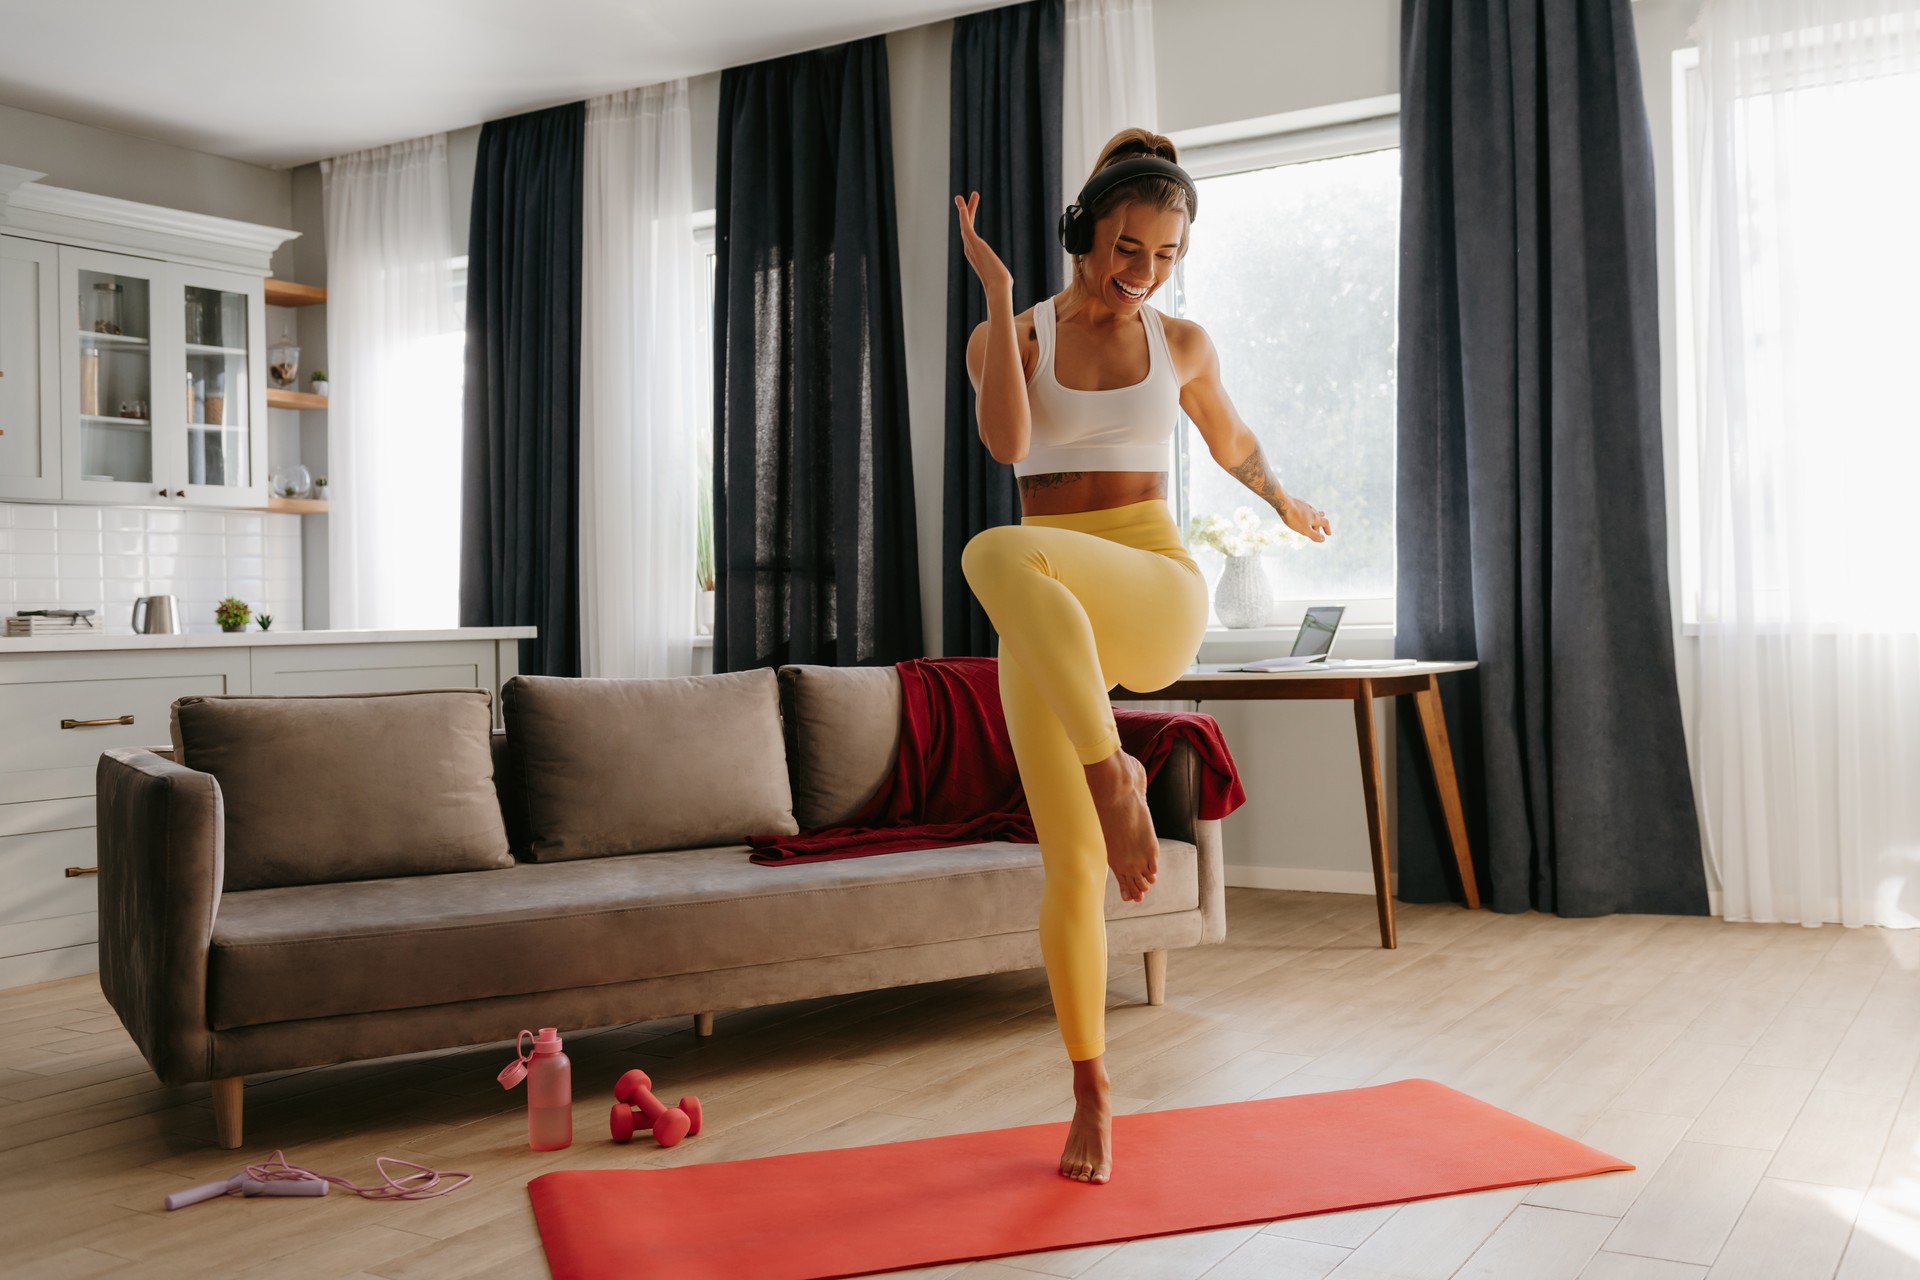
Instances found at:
x=157 y=616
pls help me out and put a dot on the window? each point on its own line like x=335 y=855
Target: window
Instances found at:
x=1292 y=271
x=1794 y=325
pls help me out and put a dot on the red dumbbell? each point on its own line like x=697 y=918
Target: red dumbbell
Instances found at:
x=637 y=1109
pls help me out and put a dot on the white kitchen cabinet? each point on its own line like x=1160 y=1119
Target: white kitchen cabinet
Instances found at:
x=164 y=399
x=29 y=370
x=140 y=336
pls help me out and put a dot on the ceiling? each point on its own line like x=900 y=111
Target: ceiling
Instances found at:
x=280 y=84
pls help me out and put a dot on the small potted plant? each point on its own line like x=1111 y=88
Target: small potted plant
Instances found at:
x=232 y=614
x=319 y=380
x=266 y=621
x=319 y=486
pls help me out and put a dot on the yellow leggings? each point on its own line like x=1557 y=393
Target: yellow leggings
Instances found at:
x=1082 y=602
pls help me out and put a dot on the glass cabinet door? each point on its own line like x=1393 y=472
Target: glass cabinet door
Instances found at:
x=218 y=395
x=108 y=314
x=221 y=453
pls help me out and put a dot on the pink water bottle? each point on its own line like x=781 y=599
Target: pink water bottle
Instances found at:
x=549 y=1078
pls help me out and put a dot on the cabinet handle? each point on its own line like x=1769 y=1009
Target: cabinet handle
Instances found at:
x=95 y=724
x=82 y=871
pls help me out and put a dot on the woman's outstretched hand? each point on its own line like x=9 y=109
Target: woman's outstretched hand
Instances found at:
x=986 y=264
x=1306 y=519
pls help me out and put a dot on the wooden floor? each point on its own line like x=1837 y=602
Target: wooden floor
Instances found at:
x=1762 y=1076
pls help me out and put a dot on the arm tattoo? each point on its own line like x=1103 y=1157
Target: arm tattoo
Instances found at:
x=1253 y=473
x=1052 y=480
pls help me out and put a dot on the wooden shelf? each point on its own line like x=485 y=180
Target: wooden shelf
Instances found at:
x=298 y=506
x=285 y=293
x=278 y=399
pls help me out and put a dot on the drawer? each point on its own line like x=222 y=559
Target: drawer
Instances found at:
x=366 y=668
x=48 y=935
x=34 y=884
x=35 y=713
x=46 y=784
x=46 y=815
x=45 y=966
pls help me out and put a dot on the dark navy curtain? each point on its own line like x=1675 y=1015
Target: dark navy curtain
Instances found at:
x=1008 y=68
x=520 y=487
x=813 y=526
x=1531 y=510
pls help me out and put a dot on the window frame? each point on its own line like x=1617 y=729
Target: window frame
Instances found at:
x=1328 y=134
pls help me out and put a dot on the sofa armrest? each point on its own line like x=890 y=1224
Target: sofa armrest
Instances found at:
x=162 y=860
x=1174 y=798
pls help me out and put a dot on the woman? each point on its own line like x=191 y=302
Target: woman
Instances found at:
x=1094 y=587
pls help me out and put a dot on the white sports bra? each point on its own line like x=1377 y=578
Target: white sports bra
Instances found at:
x=1125 y=429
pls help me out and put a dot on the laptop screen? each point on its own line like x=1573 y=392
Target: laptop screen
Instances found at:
x=1316 y=630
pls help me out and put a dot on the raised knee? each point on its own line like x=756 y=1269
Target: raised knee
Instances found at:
x=990 y=552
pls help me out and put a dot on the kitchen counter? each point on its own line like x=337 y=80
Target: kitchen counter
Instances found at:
x=251 y=639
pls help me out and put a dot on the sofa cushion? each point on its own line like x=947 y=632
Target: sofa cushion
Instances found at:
x=843 y=736
x=629 y=766
x=347 y=787
x=320 y=950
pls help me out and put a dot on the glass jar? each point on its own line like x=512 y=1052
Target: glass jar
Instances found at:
x=283 y=363
x=105 y=308
x=290 y=482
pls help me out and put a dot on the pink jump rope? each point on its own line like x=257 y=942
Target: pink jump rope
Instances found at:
x=275 y=1177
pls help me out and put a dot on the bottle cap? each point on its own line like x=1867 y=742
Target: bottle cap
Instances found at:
x=545 y=1045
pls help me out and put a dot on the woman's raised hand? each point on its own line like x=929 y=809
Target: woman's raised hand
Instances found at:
x=1307 y=519
x=986 y=264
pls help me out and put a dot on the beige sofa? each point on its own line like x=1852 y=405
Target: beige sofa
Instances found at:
x=391 y=950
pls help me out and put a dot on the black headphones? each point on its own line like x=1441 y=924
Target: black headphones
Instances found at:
x=1076 y=224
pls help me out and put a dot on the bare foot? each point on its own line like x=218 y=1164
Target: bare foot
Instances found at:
x=1088 y=1156
x=1118 y=785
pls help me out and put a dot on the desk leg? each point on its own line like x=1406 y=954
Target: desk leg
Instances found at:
x=1375 y=793
x=1433 y=722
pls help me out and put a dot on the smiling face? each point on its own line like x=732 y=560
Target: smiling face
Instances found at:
x=1134 y=249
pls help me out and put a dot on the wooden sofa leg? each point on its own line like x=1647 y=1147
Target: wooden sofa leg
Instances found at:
x=1156 y=977
x=226 y=1110
x=703 y=1025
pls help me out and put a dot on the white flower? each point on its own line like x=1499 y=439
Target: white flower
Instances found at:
x=1244 y=534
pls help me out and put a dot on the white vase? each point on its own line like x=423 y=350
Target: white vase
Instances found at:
x=1242 y=597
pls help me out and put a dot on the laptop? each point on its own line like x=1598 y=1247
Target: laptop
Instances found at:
x=1310 y=647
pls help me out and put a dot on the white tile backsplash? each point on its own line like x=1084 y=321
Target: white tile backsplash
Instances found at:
x=102 y=558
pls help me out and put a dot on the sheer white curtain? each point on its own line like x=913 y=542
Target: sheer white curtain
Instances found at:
x=1107 y=81
x=638 y=405
x=394 y=346
x=1804 y=279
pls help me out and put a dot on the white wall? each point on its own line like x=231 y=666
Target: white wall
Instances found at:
x=1219 y=61
x=108 y=163
x=919 y=64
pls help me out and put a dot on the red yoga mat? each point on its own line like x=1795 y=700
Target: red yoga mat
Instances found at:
x=821 y=1214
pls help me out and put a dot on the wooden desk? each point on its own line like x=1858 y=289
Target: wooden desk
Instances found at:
x=1360 y=687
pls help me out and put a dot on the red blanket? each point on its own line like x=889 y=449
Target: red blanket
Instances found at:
x=955 y=781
